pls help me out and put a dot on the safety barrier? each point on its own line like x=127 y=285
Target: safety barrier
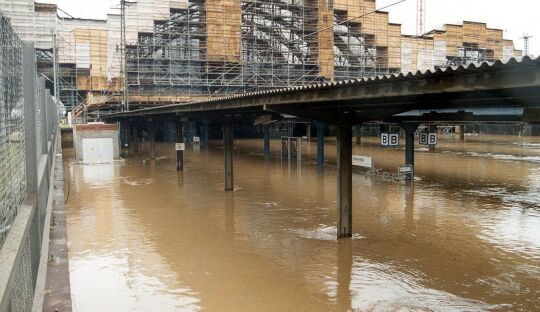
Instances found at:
x=29 y=135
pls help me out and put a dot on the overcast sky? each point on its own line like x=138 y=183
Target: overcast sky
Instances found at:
x=516 y=20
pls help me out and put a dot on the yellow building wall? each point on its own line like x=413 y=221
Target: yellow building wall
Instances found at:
x=325 y=39
x=223 y=24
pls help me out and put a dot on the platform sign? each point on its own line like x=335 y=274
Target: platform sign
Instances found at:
x=394 y=139
x=384 y=139
x=404 y=171
x=180 y=146
x=423 y=138
x=196 y=142
x=432 y=139
x=428 y=138
x=390 y=139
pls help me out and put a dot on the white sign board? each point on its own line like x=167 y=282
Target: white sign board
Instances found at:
x=384 y=139
x=432 y=139
x=428 y=138
x=389 y=139
x=394 y=139
x=404 y=171
x=423 y=138
x=180 y=146
x=196 y=139
x=362 y=161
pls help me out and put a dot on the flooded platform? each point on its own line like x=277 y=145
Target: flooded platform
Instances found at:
x=464 y=236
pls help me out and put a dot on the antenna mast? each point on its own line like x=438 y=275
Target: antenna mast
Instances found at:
x=123 y=56
x=420 y=17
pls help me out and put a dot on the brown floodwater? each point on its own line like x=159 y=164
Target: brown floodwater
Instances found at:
x=464 y=237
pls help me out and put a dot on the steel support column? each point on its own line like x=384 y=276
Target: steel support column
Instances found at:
x=179 y=153
x=462 y=132
x=266 y=130
x=321 y=127
x=344 y=180
x=308 y=132
x=358 y=130
x=205 y=133
x=409 y=128
x=228 y=153
x=152 y=138
x=126 y=129
x=43 y=120
x=135 y=136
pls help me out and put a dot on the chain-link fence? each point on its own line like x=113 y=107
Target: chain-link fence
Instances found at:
x=12 y=156
x=28 y=143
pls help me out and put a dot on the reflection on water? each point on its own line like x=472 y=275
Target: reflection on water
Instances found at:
x=466 y=236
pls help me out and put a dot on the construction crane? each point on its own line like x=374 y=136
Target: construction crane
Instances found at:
x=526 y=38
x=420 y=17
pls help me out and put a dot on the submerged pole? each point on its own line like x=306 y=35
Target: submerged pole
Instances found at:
x=321 y=127
x=205 y=133
x=344 y=181
x=179 y=152
x=152 y=137
x=462 y=132
x=228 y=153
x=409 y=128
x=266 y=130
x=358 y=135
x=135 y=136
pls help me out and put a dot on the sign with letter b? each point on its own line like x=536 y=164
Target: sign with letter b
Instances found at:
x=432 y=139
x=423 y=138
x=384 y=139
x=389 y=139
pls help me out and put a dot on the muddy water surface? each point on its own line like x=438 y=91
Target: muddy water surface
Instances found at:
x=465 y=236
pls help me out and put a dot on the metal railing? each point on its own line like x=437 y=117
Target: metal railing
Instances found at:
x=28 y=145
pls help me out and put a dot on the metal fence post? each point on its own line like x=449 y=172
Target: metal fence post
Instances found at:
x=43 y=117
x=29 y=84
x=49 y=117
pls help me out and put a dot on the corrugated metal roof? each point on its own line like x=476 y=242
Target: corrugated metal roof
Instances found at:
x=452 y=70
x=512 y=63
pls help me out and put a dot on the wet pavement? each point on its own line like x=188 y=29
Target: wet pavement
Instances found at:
x=465 y=236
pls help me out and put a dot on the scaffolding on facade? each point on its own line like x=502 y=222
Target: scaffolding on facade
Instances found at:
x=210 y=48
